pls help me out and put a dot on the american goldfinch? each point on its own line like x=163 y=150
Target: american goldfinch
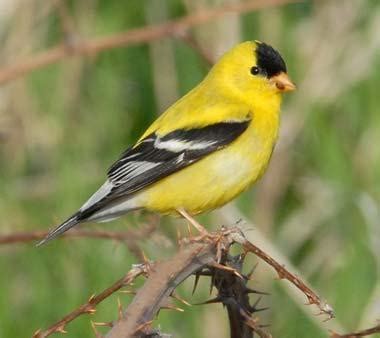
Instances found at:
x=206 y=149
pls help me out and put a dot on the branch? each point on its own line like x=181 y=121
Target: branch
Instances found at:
x=162 y=281
x=205 y=256
x=363 y=333
x=283 y=273
x=193 y=259
x=234 y=294
x=89 y=306
x=129 y=237
x=133 y=36
x=29 y=236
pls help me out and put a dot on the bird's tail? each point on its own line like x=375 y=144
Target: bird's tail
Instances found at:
x=60 y=229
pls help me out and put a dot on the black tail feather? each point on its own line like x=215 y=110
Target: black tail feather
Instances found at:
x=60 y=229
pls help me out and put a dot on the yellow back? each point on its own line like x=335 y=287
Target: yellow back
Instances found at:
x=228 y=92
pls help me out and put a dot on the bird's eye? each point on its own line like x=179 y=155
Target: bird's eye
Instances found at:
x=255 y=70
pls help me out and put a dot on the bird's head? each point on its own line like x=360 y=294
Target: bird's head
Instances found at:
x=253 y=69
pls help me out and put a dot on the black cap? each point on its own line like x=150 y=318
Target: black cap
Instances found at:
x=269 y=60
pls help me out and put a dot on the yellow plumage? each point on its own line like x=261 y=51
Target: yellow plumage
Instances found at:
x=203 y=151
x=221 y=176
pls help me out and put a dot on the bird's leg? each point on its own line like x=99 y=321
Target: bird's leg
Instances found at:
x=193 y=222
x=204 y=234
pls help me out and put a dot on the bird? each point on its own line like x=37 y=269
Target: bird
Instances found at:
x=204 y=150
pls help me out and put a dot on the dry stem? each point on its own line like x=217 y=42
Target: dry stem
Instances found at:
x=133 y=36
x=363 y=333
x=89 y=306
x=283 y=273
x=161 y=283
x=192 y=258
x=129 y=237
x=132 y=234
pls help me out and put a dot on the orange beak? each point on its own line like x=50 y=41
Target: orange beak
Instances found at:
x=283 y=82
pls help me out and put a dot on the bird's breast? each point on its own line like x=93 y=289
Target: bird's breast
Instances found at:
x=219 y=177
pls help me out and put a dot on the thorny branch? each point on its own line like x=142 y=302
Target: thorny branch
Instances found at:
x=363 y=333
x=283 y=273
x=177 y=28
x=200 y=257
x=204 y=258
x=134 y=36
x=233 y=293
x=89 y=306
x=163 y=279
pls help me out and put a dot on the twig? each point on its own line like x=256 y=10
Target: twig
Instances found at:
x=233 y=293
x=192 y=259
x=129 y=237
x=229 y=215
x=363 y=333
x=133 y=36
x=283 y=273
x=253 y=324
x=195 y=255
x=163 y=279
x=28 y=236
x=90 y=305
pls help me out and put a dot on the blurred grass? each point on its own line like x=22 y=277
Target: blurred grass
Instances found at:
x=65 y=124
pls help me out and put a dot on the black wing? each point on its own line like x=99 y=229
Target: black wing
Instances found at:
x=156 y=157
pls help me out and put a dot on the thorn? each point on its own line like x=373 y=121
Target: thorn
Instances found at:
x=263 y=326
x=212 y=282
x=97 y=334
x=261 y=309
x=253 y=307
x=218 y=255
x=175 y=296
x=310 y=300
x=241 y=258
x=145 y=259
x=142 y=326
x=326 y=319
x=37 y=333
x=220 y=282
x=249 y=290
x=108 y=324
x=189 y=229
x=226 y=268
x=172 y=307
x=318 y=313
x=251 y=322
x=217 y=299
x=90 y=309
x=197 y=275
x=248 y=276
x=119 y=309
x=128 y=292
x=178 y=236
x=61 y=329
x=206 y=273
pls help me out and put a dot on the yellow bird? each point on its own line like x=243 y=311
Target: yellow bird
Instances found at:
x=206 y=149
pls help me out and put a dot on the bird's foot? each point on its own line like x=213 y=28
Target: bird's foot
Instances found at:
x=204 y=235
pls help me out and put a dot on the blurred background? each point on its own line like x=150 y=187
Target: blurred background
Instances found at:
x=62 y=125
